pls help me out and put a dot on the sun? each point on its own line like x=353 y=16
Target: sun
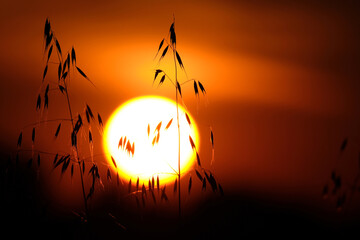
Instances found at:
x=141 y=140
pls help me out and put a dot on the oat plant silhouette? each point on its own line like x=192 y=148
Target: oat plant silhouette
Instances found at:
x=168 y=44
x=67 y=70
x=342 y=189
x=66 y=66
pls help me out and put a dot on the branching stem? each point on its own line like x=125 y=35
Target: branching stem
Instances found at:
x=76 y=150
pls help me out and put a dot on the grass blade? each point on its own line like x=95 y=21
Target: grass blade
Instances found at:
x=100 y=120
x=87 y=116
x=64 y=75
x=46 y=102
x=190 y=184
x=160 y=46
x=163 y=194
x=38 y=102
x=84 y=75
x=120 y=142
x=221 y=190
x=169 y=123
x=133 y=148
x=48 y=40
x=62 y=89
x=158 y=183
x=343 y=145
x=212 y=138
x=57 y=130
x=55 y=159
x=90 y=137
x=188 y=119
x=157 y=137
x=68 y=61
x=203 y=188
x=198 y=159
x=143 y=190
x=192 y=143
x=47 y=28
x=19 y=140
x=65 y=165
x=161 y=43
x=33 y=135
x=172 y=34
x=156 y=74
x=212 y=182
x=158 y=127
x=78 y=124
x=198 y=175
x=81 y=72
x=45 y=71
x=46 y=97
x=59 y=71
x=108 y=175
x=64 y=65
x=73 y=56
x=161 y=80
x=179 y=60
x=49 y=53
x=61 y=160
x=58 y=47
x=196 y=89
x=89 y=111
x=164 y=52
x=113 y=161
x=201 y=87
x=178 y=87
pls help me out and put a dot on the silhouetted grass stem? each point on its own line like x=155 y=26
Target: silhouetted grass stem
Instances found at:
x=76 y=150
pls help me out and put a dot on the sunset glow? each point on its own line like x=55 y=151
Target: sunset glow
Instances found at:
x=144 y=143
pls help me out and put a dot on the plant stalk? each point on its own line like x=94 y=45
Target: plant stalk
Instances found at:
x=178 y=126
x=76 y=151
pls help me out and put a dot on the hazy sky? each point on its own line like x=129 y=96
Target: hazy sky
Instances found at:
x=282 y=78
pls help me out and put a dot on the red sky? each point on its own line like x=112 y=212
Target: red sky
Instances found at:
x=281 y=78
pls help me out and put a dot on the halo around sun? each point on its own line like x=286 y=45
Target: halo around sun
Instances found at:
x=141 y=139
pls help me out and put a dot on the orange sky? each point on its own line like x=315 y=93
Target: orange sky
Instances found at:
x=281 y=78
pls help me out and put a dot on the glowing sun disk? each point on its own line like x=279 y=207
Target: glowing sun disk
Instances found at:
x=143 y=144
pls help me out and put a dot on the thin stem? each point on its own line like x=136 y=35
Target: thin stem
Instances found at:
x=73 y=127
x=53 y=62
x=190 y=80
x=178 y=125
x=169 y=79
x=38 y=151
x=76 y=151
x=46 y=121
